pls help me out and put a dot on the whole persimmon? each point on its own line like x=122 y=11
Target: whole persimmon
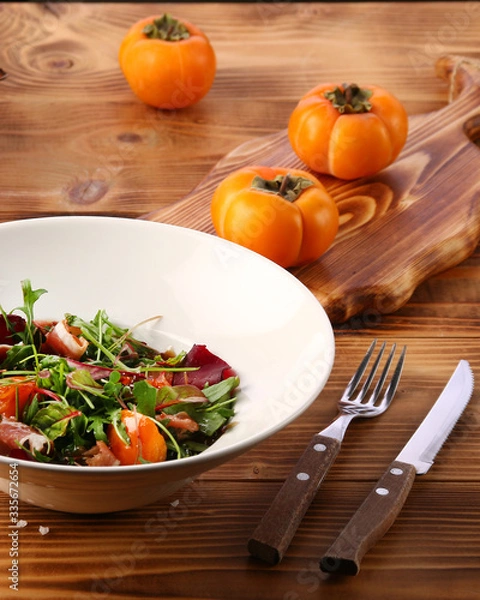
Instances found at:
x=169 y=63
x=286 y=215
x=347 y=131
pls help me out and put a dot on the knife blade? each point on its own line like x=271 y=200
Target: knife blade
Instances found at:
x=382 y=506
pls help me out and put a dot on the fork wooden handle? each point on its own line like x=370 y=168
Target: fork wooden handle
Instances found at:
x=273 y=535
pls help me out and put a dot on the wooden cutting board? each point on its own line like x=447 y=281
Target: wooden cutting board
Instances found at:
x=416 y=218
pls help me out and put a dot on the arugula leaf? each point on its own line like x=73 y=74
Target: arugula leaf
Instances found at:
x=28 y=349
x=18 y=355
x=78 y=427
x=54 y=370
x=38 y=456
x=30 y=411
x=30 y=296
x=96 y=425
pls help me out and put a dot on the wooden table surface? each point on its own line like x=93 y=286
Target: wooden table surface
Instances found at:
x=74 y=140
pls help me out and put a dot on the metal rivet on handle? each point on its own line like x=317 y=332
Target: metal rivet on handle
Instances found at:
x=303 y=476
x=396 y=471
x=382 y=491
x=319 y=447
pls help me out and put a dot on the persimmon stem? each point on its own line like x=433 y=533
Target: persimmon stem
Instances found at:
x=289 y=187
x=350 y=100
x=166 y=28
x=283 y=185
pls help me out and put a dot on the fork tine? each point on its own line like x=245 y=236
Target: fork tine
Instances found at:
x=383 y=376
x=357 y=376
x=371 y=402
x=371 y=375
x=392 y=386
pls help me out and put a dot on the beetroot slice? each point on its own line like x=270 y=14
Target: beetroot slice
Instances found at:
x=211 y=368
x=15 y=323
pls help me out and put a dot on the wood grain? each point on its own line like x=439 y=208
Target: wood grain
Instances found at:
x=152 y=555
x=71 y=130
x=73 y=138
x=416 y=218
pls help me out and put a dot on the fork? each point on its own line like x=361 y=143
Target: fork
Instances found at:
x=274 y=533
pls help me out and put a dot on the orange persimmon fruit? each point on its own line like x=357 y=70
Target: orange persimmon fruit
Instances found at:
x=286 y=215
x=169 y=63
x=347 y=131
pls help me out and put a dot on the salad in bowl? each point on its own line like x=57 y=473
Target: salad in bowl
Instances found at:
x=88 y=393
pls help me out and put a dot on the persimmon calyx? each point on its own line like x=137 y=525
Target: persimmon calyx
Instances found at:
x=286 y=186
x=166 y=28
x=350 y=100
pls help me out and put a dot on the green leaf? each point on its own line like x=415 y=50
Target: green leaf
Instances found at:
x=113 y=387
x=192 y=447
x=38 y=456
x=83 y=379
x=210 y=422
x=30 y=411
x=30 y=296
x=114 y=377
x=18 y=355
x=57 y=368
x=78 y=428
x=165 y=395
x=146 y=397
x=219 y=392
x=96 y=425
x=53 y=419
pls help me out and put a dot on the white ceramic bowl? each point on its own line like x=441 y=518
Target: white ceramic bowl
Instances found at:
x=246 y=309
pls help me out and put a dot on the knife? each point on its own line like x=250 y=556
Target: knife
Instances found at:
x=381 y=507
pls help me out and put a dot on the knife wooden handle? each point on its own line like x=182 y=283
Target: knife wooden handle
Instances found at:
x=273 y=535
x=371 y=521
